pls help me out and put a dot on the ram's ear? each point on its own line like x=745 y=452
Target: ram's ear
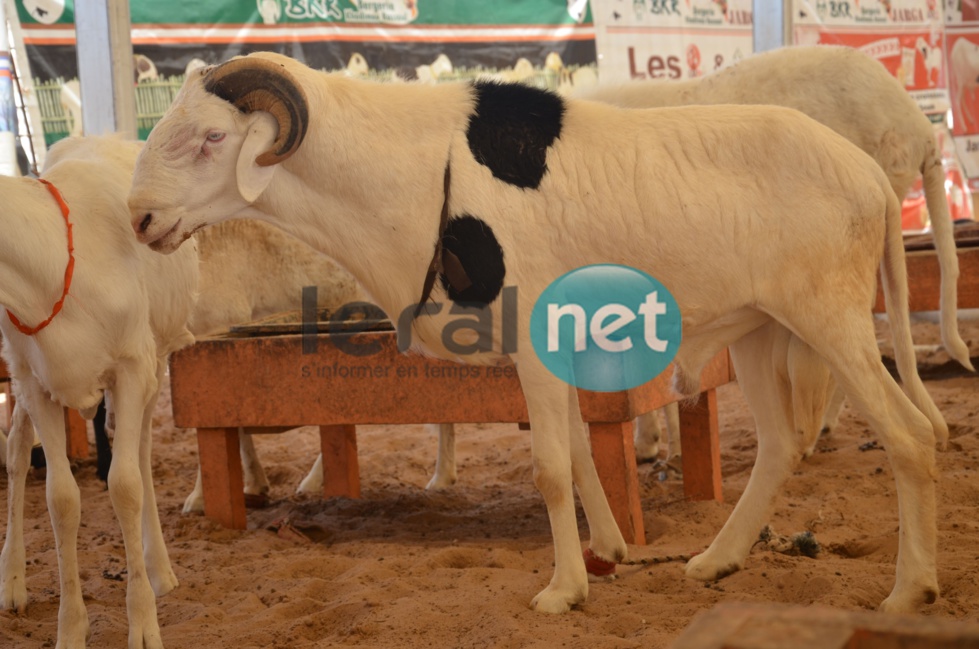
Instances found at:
x=252 y=178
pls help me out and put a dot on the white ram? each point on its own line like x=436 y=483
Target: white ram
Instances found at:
x=520 y=186
x=855 y=96
x=125 y=311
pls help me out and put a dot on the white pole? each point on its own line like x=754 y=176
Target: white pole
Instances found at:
x=773 y=21
x=8 y=108
x=105 y=67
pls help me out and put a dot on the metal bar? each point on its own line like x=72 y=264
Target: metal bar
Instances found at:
x=105 y=67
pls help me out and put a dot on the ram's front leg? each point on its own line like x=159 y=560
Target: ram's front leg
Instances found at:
x=548 y=406
x=13 y=589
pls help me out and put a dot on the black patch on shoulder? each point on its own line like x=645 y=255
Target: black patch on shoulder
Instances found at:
x=512 y=128
x=473 y=242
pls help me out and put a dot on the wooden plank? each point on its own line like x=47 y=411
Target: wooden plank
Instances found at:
x=76 y=429
x=221 y=476
x=774 y=626
x=701 y=448
x=341 y=470
x=924 y=281
x=615 y=460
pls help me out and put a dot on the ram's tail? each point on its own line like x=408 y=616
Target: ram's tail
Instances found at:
x=894 y=278
x=948 y=261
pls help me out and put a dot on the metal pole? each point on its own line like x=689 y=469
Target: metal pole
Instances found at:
x=8 y=108
x=105 y=67
x=772 y=24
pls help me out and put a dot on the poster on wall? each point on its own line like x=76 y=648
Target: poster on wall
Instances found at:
x=548 y=43
x=962 y=41
x=908 y=38
x=669 y=39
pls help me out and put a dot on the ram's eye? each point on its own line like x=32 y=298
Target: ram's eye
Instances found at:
x=215 y=136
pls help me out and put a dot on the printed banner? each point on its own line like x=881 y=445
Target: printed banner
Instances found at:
x=326 y=34
x=962 y=41
x=549 y=43
x=669 y=39
x=906 y=36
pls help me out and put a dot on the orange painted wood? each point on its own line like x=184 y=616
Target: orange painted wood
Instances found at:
x=268 y=381
x=77 y=432
x=221 y=477
x=701 y=448
x=341 y=470
x=744 y=625
x=924 y=281
x=615 y=459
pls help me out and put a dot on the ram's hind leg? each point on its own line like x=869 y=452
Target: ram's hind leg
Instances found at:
x=847 y=342
x=779 y=451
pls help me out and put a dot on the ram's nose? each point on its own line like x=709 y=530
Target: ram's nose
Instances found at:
x=142 y=222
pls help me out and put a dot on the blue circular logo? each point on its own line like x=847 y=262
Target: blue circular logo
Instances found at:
x=606 y=328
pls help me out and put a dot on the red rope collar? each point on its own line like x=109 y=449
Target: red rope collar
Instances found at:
x=69 y=269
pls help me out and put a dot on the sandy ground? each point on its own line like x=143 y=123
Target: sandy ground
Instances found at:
x=403 y=567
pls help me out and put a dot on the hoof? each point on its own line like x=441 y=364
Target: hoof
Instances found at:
x=703 y=568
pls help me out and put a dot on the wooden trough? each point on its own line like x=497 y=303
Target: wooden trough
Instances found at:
x=271 y=381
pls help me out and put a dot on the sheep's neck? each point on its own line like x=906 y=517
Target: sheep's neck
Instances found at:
x=28 y=330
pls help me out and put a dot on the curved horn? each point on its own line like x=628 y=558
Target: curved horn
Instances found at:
x=258 y=84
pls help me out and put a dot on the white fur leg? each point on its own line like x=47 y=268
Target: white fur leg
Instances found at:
x=312 y=484
x=606 y=540
x=127 y=492
x=445 y=462
x=64 y=506
x=673 y=440
x=779 y=450
x=195 y=501
x=548 y=406
x=255 y=481
x=13 y=588
x=158 y=567
x=647 y=436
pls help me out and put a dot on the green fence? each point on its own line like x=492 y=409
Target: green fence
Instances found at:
x=59 y=112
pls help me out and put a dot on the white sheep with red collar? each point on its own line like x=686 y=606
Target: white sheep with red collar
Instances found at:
x=855 y=96
x=533 y=186
x=124 y=311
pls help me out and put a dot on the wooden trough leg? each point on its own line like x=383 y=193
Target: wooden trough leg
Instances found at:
x=615 y=459
x=221 y=477
x=701 y=449
x=341 y=471
x=77 y=432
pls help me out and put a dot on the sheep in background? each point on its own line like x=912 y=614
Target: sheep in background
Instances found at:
x=250 y=270
x=855 y=96
x=124 y=311
x=574 y=187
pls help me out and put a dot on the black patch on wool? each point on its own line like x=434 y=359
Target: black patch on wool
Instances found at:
x=512 y=128
x=473 y=242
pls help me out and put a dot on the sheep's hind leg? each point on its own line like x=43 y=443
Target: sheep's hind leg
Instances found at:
x=779 y=450
x=127 y=490
x=849 y=345
x=255 y=480
x=13 y=587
